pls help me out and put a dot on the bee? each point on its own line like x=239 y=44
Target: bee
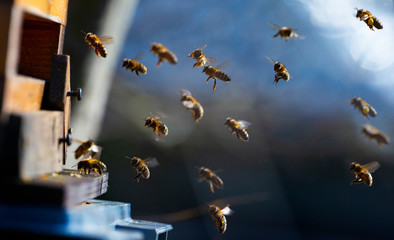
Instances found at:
x=86 y=148
x=133 y=65
x=200 y=57
x=97 y=43
x=218 y=216
x=281 y=71
x=369 y=19
x=238 y=127
x=214 y=73
x=363 y=172
x=211 y=178
x=286 y=32
x=372 y=132
x=89 y=164
x=157 y=126
x=363 y=107
x=141 y=166
x=191 y=104
x=163 y=53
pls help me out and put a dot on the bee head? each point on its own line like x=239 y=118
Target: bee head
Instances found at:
x=213 y=209
x=278 y=66
x=135 y=161
x=228 y=121
x=125 y=62
x=148 y=121
x=155 y=47
x=197 y=53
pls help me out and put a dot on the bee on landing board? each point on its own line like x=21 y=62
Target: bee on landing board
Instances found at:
x=211 y=178
x=214 y=73
x=238 y=127
x=86 y=148
x=97 y=43
x=286 y=32
x=218 y=216
x=163 y=53
x=141 y=166
x=372 y=132
x=133 y=65
x=87 y=165
x=369 y=19
x=281 y=71
x=363 y=107
x=192 y=104
x=363 y=172
x=200 y=57
x=157 y=126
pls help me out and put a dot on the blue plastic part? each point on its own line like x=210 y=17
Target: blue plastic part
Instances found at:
x=96 y=219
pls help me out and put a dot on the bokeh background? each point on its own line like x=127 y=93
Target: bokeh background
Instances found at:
x=292 y=179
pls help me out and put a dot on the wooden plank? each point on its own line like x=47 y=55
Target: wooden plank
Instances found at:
x=5 y=18
x=54 y=8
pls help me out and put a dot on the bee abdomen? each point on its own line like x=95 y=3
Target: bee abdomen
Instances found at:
x=221 y=223
x=198 y=113
x=222 y=76
x=243 y=135
x=101 y=49
x=377 y=23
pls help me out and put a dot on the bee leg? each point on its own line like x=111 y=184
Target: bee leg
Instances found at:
x=276 y=35
x=97 y=51
x=210 y=78
x=287 y=40
x=87 y=171
x=211 y=187
x=137 y=178
x=136 y=72
x=214 y=84
x=357 y=180
x=195 y=64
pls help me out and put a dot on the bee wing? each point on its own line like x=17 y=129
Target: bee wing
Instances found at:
x=269 y=59
x=203 y=47
x=244 y=124
x=276 y=27
x=223 y=65
x=372 y=166
x=298 y=36
x=211 y=59
x=107 y=39
x=139 y=56
x=186 y=91
x=151 y=162
x=227 y=211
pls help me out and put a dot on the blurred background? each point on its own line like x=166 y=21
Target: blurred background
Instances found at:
x=292 y=179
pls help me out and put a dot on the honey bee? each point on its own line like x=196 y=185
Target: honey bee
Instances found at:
x=363 y=172
x=286 y=32
x=200 y=57
x=363 y=107
x=97 y=43
x=89 y=164
x=133 y=65
x=369 y=19
x=191 y=104
x=163 y=53
x=372 y=132
x=214 y=73
x=238 y=127
x=157 y=126
x=86 y=148
x=218 y=216
x=281 y=71
x=211 y=178
x=141 y=166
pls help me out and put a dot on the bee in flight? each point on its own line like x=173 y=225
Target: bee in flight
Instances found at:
x=163 y=53
x=86 y=148
x=286 y=32
x=141 y=166
x=211 y=178
x=200 y=57
x=214 y=73
x=363 y=107
x=238 y=127
x=97 y=43
x=372 y=132
x=192 y=104
x=363 y=172
x=218 y=216
x=281 y=71
x=157 y=126
x=133 y=65
x=369 y=19
x=89 y=164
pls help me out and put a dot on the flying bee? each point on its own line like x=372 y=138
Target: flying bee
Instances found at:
x=157 y=126
x=281 y=71
x=89 y=164
x=286 y=32
x=213 y=72
x=141 y=166
x=218 y=216
x=369 y=19
x=372 y=132
x=133 y=65
x=97 y=43
x=192 y=104
x=363 y=107
x=86 y=148
x=163 y=53
x=238 y=127
x=363 y=172
x=211 y=178
x=200 y=57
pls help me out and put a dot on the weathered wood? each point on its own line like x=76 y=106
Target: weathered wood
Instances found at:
x=56 y=9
